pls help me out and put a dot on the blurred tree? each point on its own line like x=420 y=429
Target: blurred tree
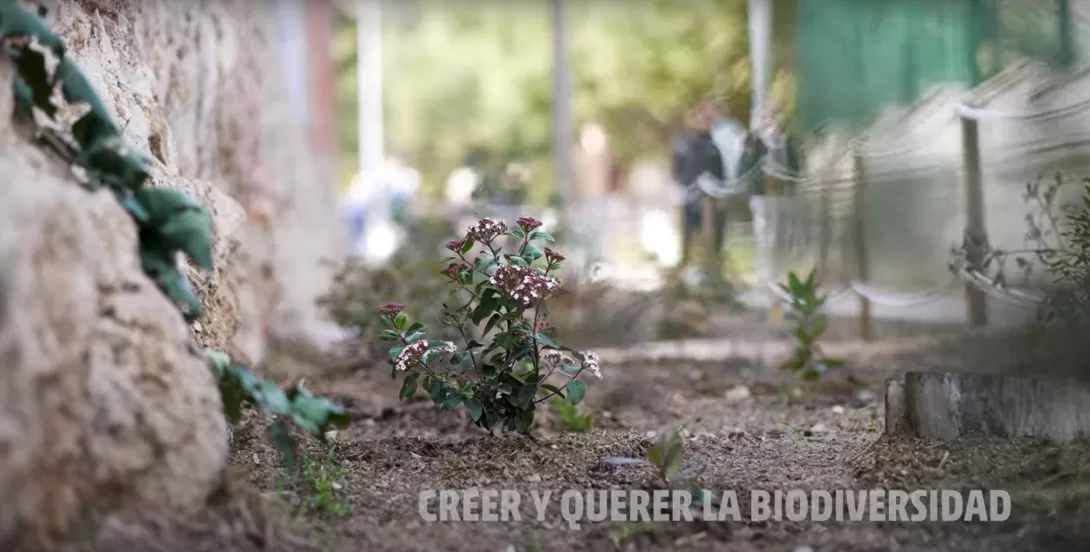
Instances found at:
x=476 y=74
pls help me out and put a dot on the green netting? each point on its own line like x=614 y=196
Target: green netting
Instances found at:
x=856 y=56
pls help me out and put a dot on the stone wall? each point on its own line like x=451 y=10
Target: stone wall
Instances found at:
x=106 y=401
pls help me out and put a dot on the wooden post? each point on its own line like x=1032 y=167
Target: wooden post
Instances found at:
x=975 y=301
x=824 y=228
x=707 y=230
x=860 y=234
x=775 y=305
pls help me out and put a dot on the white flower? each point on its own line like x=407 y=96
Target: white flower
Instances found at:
x=414 y=353
x=590 y=362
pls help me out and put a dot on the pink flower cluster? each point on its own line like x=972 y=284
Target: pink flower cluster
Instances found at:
x=486 y=230
x=525 y=285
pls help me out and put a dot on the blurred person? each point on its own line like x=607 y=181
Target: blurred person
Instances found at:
x=594 y=178
x=697 y=156
x=402 y=183
x=461 y=186
x=356 y=205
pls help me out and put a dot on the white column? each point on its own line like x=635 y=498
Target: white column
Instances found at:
x=563 y=123
x=760 y=43
x=369 y=67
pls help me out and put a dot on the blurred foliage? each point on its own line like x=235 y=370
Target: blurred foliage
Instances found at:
x=476 y=76
x=411 y=275
x=1055 y=256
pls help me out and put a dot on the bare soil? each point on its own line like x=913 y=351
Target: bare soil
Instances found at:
x=829 y=437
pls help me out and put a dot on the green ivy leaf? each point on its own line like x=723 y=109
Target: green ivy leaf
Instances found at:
x=219 y=361
x=232 y=396
x=190 y=232
x=280 y=437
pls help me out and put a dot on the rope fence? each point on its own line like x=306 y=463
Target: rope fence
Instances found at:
x=905 y=161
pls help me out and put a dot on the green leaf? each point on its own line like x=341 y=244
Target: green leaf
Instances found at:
x=399 y=321
x=524 y=420
x=271 y=397
x=551 y=389
x=532 y=252
x=486 y=307
x=232 y=396
x=801 y=336
x=436 y=391
x=218 y=359
x=452 y=401
x=793 y=365
x=388 y=335
x=190 y=232
x=415 y=327
x=408 y=387
x=576 y=391
x=546 y=340
x=793 y=282
x=543 y=236
x=569 y=369
x=280 y=437
x=820 y=325
x=466 y=246
x=492 y=322
x=525 y=395
x=474 y=408
x=395 y=351
x=517 y=234
x=656 y=454
x=674 y=455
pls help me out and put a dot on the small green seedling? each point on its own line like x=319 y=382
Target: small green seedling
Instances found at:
x=808 y=359
x=325 y=479
x=571 y=418
x=666 y=455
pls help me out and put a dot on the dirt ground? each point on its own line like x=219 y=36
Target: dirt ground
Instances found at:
x=770 y=438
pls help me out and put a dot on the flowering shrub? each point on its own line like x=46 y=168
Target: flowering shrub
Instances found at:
x=502 y=378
